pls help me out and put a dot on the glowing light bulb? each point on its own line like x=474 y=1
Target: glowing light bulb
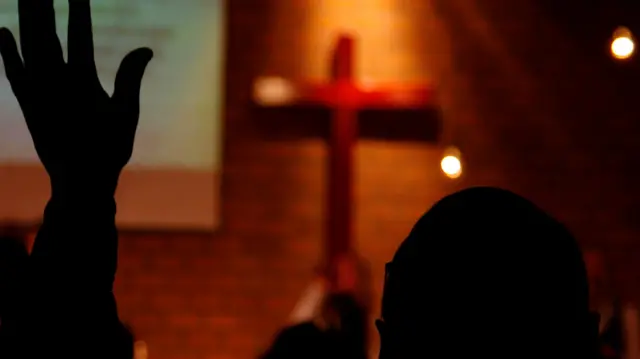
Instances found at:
x=273 y=91
x=451 y=166
x=622 y=45
x=140 y=350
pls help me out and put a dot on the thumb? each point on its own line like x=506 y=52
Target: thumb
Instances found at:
x=13 y=66
x=129 y=77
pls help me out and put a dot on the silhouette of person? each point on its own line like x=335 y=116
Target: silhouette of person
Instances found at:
x=13 y=263
x=336 y=332
x=352 y=296
x=302 y=340
x=612 y=339
x=610 y=308
x=83 y=137
x=485 y=271
x=345 y=318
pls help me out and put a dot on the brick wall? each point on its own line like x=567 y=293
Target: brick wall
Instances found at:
x=532 y=103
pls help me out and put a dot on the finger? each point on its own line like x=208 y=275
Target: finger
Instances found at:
x=13 y=66
x=129 y=79
x=40 y=44
x=80 y=37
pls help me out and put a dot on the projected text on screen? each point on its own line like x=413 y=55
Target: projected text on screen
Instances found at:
x=180 y=101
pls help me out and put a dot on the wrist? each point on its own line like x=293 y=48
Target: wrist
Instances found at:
x=84 y=188
x=82 y=199
x=81 y=206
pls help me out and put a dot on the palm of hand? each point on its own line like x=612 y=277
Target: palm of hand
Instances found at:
x=75 y=125
x=69 y=120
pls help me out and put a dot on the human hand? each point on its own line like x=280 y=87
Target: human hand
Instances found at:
x=83 y=136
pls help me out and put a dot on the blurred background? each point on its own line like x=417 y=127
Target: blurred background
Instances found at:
x=534 y=96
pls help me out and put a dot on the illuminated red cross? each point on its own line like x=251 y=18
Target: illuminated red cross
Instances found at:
x=345 y=97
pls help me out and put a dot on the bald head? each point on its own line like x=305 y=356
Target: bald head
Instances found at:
x=485 y=256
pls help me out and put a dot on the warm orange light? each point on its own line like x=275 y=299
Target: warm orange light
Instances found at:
x=273 y=91
x=140 y=350
x=622 y=45
x=451 y=166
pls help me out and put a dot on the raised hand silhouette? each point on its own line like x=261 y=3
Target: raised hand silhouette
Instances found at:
x=84 y=137
x=74 y=123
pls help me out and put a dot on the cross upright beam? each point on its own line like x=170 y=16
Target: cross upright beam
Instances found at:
x=345 y=97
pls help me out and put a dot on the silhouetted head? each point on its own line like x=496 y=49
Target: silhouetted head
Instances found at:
x=124 y=342
x=13 y=260
x=343 y=312
x=485 y=272
x=346 y=322
x=116 y=341
x=13 y=251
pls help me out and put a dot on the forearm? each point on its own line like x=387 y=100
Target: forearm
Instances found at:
x=75 y=251
x=73 y=265
x=78 y=241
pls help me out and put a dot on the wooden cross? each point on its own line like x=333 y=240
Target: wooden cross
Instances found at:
x=345 y=98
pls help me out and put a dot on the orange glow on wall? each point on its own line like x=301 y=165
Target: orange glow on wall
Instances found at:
x=386 y=38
